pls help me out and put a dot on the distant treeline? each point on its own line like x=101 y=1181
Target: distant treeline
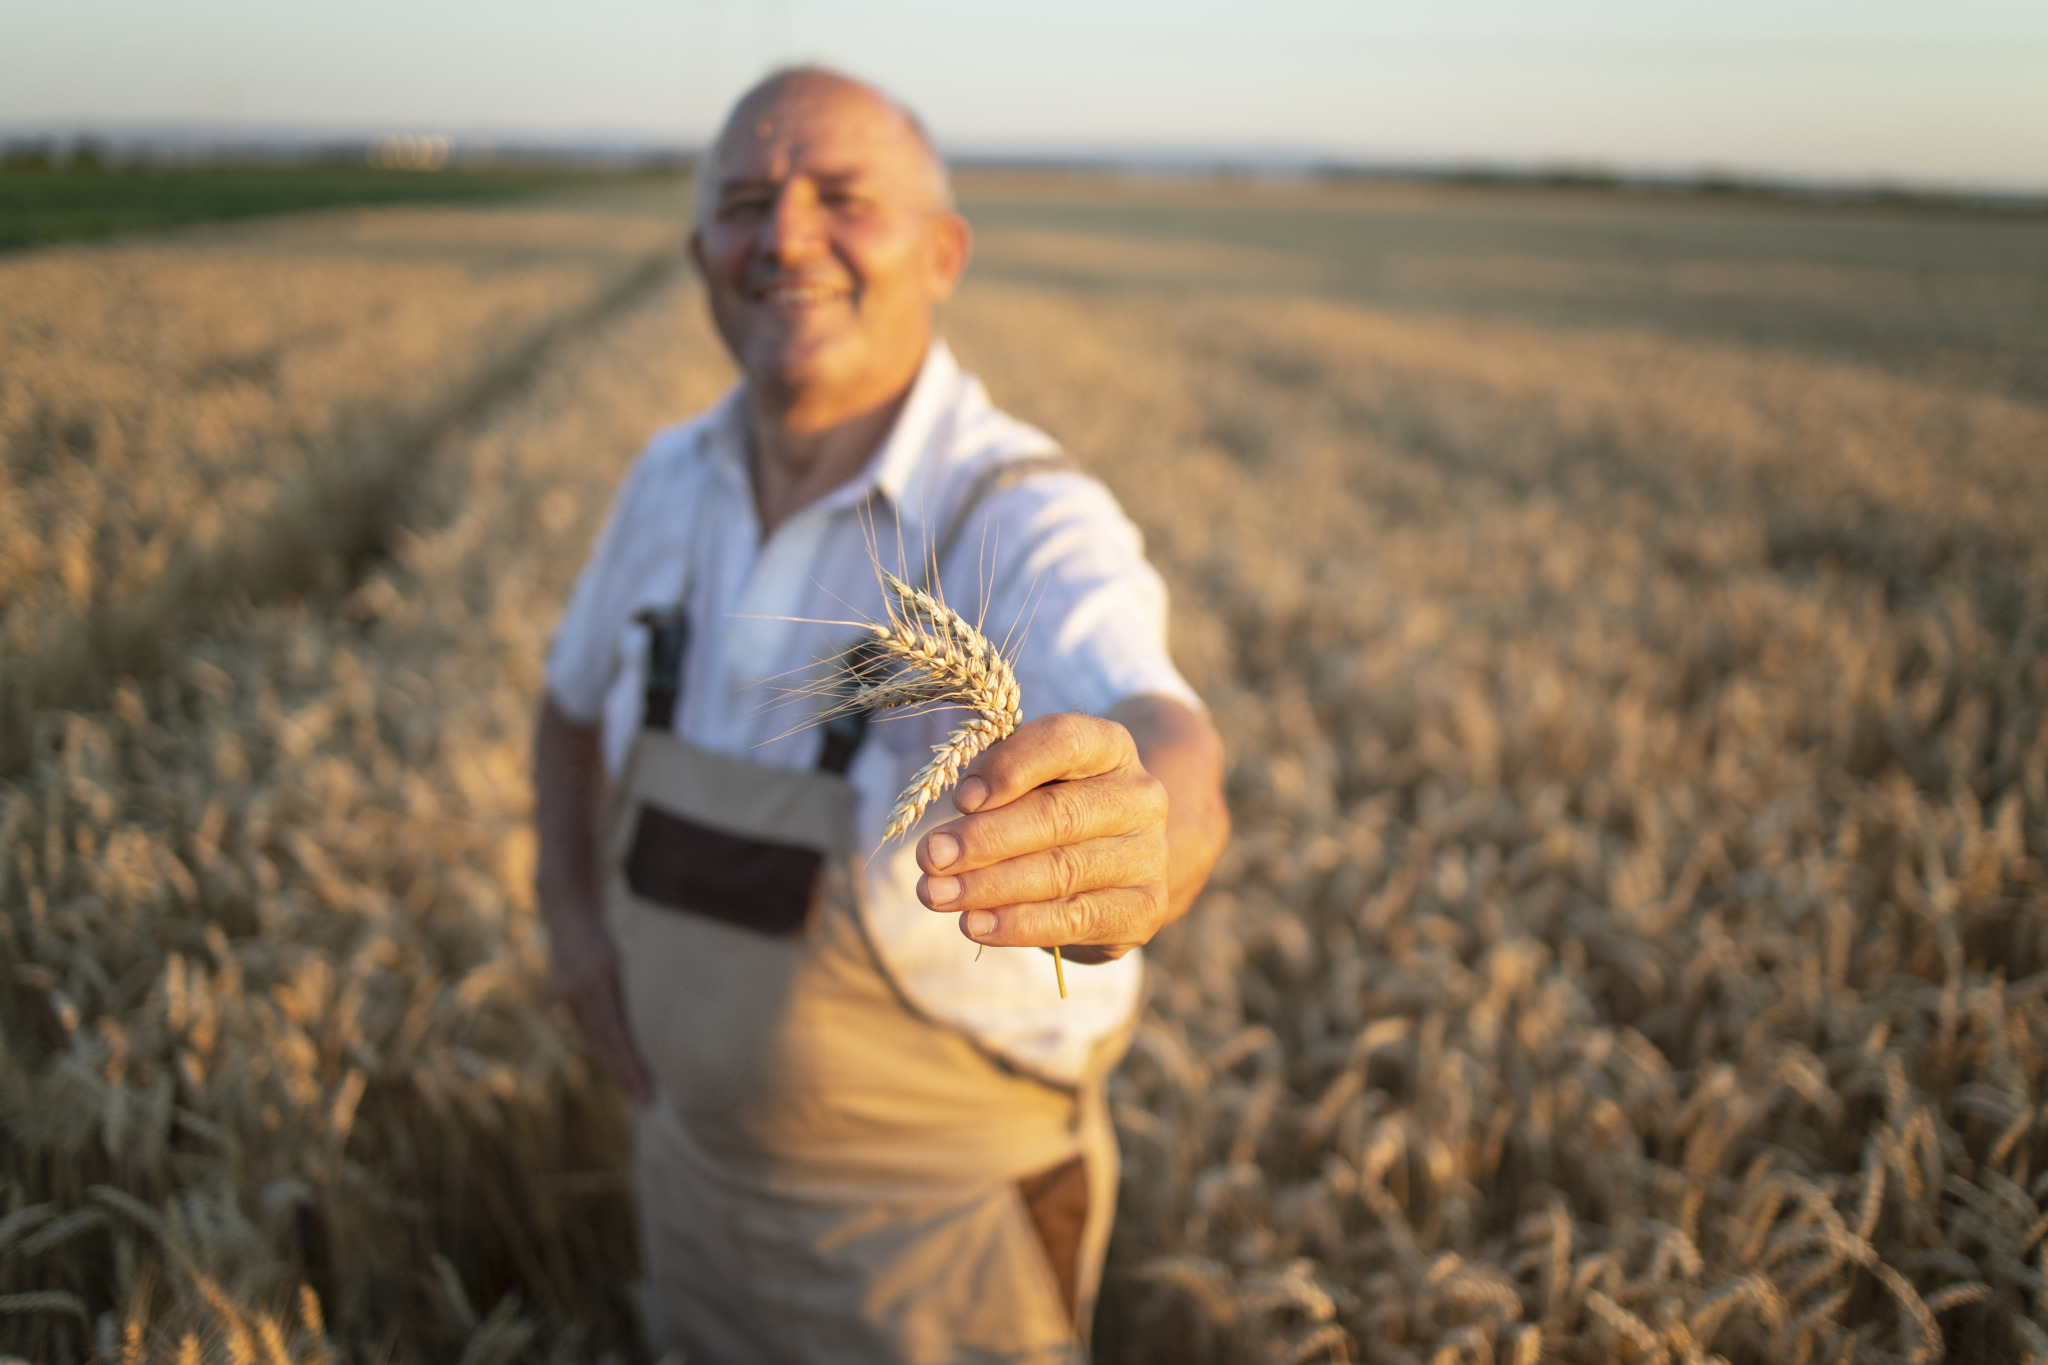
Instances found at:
x=55 y=191
x=1726 y=184
x=1572 y=176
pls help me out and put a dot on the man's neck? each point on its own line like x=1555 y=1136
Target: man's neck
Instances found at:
x=797 y=455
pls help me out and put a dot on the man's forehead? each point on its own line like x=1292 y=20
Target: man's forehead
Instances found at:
x=834 y=129
x=824 y=154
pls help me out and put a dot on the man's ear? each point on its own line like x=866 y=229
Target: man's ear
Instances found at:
x=697 y=255
x=952 y=243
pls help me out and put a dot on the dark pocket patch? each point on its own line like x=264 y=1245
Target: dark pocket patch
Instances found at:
x=753 y=883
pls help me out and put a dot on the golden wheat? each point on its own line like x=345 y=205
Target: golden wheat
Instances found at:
x=1634 y=944
x=273 y=1028
x=1641 y=794
x=227 y=413
x=948 y=663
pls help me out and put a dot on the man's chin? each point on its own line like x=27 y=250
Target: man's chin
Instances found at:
x=795 y=364
x=836 y=367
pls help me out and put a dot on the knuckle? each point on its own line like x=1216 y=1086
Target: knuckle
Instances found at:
x=986 y=840
x=1063 y=815
x=1071 y=735
x=1076 y=919
x=1066 y=868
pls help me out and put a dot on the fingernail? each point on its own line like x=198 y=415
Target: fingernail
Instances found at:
x=976 y=923
x=941 y=890
x=942 y=849
x=971 y=795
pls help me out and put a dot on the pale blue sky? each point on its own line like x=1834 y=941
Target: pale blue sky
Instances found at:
x=1933 y=93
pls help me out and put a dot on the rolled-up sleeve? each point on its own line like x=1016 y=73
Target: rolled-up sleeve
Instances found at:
x=1084 y=612
x=583 y=655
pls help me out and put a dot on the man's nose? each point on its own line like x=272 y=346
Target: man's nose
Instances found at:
x=796 y=228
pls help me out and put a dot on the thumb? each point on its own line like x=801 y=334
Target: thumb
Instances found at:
x=1064 y=747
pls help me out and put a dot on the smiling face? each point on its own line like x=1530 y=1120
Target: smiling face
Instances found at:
x=825 y=245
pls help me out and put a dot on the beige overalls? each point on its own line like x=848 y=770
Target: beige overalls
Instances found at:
x=824 y=1174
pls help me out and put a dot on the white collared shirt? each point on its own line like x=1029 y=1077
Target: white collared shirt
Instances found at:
x=1049 y=564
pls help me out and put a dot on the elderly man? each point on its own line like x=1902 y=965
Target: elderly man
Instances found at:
x=856 y=1141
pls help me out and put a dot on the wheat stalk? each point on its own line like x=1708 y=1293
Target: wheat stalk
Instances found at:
x=942 y=659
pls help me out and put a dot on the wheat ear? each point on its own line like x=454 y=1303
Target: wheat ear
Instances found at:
x=944 y=660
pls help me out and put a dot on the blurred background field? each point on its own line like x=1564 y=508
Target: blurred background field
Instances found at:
x=232 y=411
x=1953 y=291
x=1627 y=614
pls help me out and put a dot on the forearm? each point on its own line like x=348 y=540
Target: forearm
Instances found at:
x=1178 y=746
x=568 y=775
x=568 y=778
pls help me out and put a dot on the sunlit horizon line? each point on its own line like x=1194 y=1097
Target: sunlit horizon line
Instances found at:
x=283 y=138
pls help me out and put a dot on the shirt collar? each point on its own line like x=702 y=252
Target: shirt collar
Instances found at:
x=907 y=449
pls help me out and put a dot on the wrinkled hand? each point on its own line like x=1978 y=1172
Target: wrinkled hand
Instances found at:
x=1063 y=843
x=585 y=972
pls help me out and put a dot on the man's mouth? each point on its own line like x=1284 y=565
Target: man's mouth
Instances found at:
x=801 y=295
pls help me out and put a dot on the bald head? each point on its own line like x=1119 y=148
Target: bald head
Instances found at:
x=815 y=91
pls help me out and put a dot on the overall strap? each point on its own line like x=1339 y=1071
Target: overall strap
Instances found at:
x=668 y=632
x=668 y=637
x=1002 y=475
x=845 y=731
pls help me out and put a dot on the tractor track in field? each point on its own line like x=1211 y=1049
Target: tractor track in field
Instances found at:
x=328 y=526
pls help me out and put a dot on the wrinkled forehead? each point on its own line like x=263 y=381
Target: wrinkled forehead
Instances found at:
x=807 y=133
x=836 y=130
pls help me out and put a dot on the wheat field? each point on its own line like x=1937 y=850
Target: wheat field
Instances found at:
x=162 y=401
x=1628 y=621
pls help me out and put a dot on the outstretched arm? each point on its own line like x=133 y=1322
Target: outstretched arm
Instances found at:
x=1084 y=832
x=568 y=778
